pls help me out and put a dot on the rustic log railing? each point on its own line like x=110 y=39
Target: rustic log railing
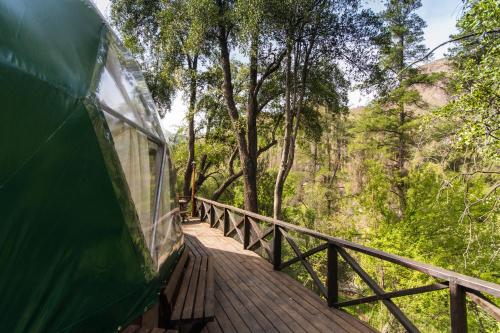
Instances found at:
x=245 y=225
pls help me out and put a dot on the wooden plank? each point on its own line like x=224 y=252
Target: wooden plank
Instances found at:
x=236 y=226
x=225 y=227
x=199 y=304
x=305 y=263
x=287 y=299
x=437 y=272
x=238 y=324
x=202 y=250
x=213 y=327
x=260 y=287
x=254 y=293
x=187 y=312
x=394 y=294
x=306 y=300
x=485 y=304
x=211 y=216
x=150 y=318
x=238 y=306
x=276 y=261
x=161 y=330
x=203 y=290
x=458 y=309
x=250 y=224
x=332 y=275
x=196 y=247
x=210 y=290
x=246 y=232
x=191 y=243
x=144 y=330
x=314 y=304
x=222 y=319
x=131 y=329
x=179 y=304
x=260 y=238
x=275 y=301
x=393 y=308
x=251 y=311
x=298 y=320
x=306 y=254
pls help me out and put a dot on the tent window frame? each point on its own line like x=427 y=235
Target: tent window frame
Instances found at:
x=159 y=183
x=153 y=137
x=159 y=179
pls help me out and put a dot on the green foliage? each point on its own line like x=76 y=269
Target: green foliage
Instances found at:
x=265 y=183
x=397 y=175
x=476 y=81
x=450 y=218
x=168 y=38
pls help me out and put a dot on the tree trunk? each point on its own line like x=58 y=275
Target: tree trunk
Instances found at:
x=401 y=159
x=401 y=148
x=292 y=119
x=233 y=176
x=250 y=176
x=193 y=67
x=281 y=177
x=247 y=151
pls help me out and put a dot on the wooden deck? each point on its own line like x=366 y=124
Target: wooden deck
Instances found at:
x=251 y=297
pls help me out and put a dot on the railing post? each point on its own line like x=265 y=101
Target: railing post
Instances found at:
x=246 y=232
x=276 y=248
x=194 y=211
x=332 y=275
x=458 y=310
x=212 y=215
x=226 y=221
x=202 y=212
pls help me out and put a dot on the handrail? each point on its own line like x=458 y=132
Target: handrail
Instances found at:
x=434 y=271
x=460 y=285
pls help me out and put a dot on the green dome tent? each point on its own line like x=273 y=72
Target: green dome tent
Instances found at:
x=89 y=224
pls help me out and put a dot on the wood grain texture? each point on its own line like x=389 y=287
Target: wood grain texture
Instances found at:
x=194 y=302
x=251 y=297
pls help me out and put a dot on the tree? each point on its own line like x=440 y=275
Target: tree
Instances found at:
x=171 y=39
x=475 y=83
x=315 y=34
x=392 y=117
x=471 y=120
x=251 y=25
x=218 y=160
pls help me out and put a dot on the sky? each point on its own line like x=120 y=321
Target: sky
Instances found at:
x=440 y=16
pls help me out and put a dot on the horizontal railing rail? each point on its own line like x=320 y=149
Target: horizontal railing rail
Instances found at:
x=244 y=224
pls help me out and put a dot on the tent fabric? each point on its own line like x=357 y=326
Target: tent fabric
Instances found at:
x=73 y=255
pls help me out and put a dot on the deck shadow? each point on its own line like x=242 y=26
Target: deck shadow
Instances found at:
x=252 y=297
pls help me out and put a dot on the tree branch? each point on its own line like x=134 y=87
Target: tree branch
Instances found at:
x=231 y=161
x=270 y=69
x=234 y=176
x=456 y=39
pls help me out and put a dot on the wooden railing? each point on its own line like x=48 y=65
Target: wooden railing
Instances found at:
x=245 y=225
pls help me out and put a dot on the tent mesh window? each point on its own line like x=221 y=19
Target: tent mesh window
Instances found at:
x=139 y=144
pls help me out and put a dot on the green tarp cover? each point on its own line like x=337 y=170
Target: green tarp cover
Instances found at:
x=73 y=257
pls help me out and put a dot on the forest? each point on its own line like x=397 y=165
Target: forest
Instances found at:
x=268 y=128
